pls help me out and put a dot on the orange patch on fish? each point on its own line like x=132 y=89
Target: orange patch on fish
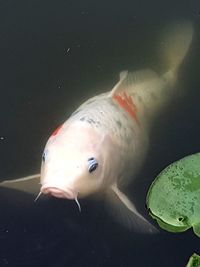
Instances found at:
x=125 y=101
x=56 y=130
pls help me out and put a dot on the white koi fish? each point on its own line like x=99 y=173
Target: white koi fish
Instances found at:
x=102 y=145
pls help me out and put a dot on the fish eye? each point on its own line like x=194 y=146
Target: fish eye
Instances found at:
x=92 y=164
x=44 y=156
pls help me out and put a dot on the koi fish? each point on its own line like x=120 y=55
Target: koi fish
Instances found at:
x=102 y=145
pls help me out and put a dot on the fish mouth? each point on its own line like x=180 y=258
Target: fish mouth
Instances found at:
x=58 y=192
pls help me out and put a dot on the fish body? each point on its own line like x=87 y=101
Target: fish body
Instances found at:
x=102 y=145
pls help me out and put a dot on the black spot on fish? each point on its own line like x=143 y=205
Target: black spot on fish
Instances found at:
x=97 y=123
x=88 y=120
x=119 y=123
x=91 y=121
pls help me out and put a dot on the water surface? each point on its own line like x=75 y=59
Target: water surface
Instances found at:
x=54 y=55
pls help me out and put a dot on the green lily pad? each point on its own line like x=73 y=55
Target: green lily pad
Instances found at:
x=173 y=198
x=194 y=261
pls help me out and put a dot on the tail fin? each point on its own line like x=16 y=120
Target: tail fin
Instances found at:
x=176 y=43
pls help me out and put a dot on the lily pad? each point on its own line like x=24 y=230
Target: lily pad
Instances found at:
x=194 y=261
x=173 y=198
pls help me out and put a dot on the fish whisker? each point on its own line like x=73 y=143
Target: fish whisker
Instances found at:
x=78 y=204
x=40 y=193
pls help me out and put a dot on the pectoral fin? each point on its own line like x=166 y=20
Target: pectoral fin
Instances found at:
x=122 y=208
x=29 y=184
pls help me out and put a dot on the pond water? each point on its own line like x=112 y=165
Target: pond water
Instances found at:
x=55 y=55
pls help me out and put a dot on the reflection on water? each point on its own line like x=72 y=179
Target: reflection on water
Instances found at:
x=53 y=57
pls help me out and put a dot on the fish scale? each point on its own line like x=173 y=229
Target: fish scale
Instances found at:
x=105 y=115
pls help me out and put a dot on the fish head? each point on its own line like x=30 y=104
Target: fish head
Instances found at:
x=75 y=162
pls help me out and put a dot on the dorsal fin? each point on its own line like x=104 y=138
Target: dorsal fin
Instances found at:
x=128 y=80
x=122 y=76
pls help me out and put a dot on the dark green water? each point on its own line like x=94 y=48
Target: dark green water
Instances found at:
x=53 y=56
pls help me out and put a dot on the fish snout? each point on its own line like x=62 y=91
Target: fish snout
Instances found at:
x=58 y=192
